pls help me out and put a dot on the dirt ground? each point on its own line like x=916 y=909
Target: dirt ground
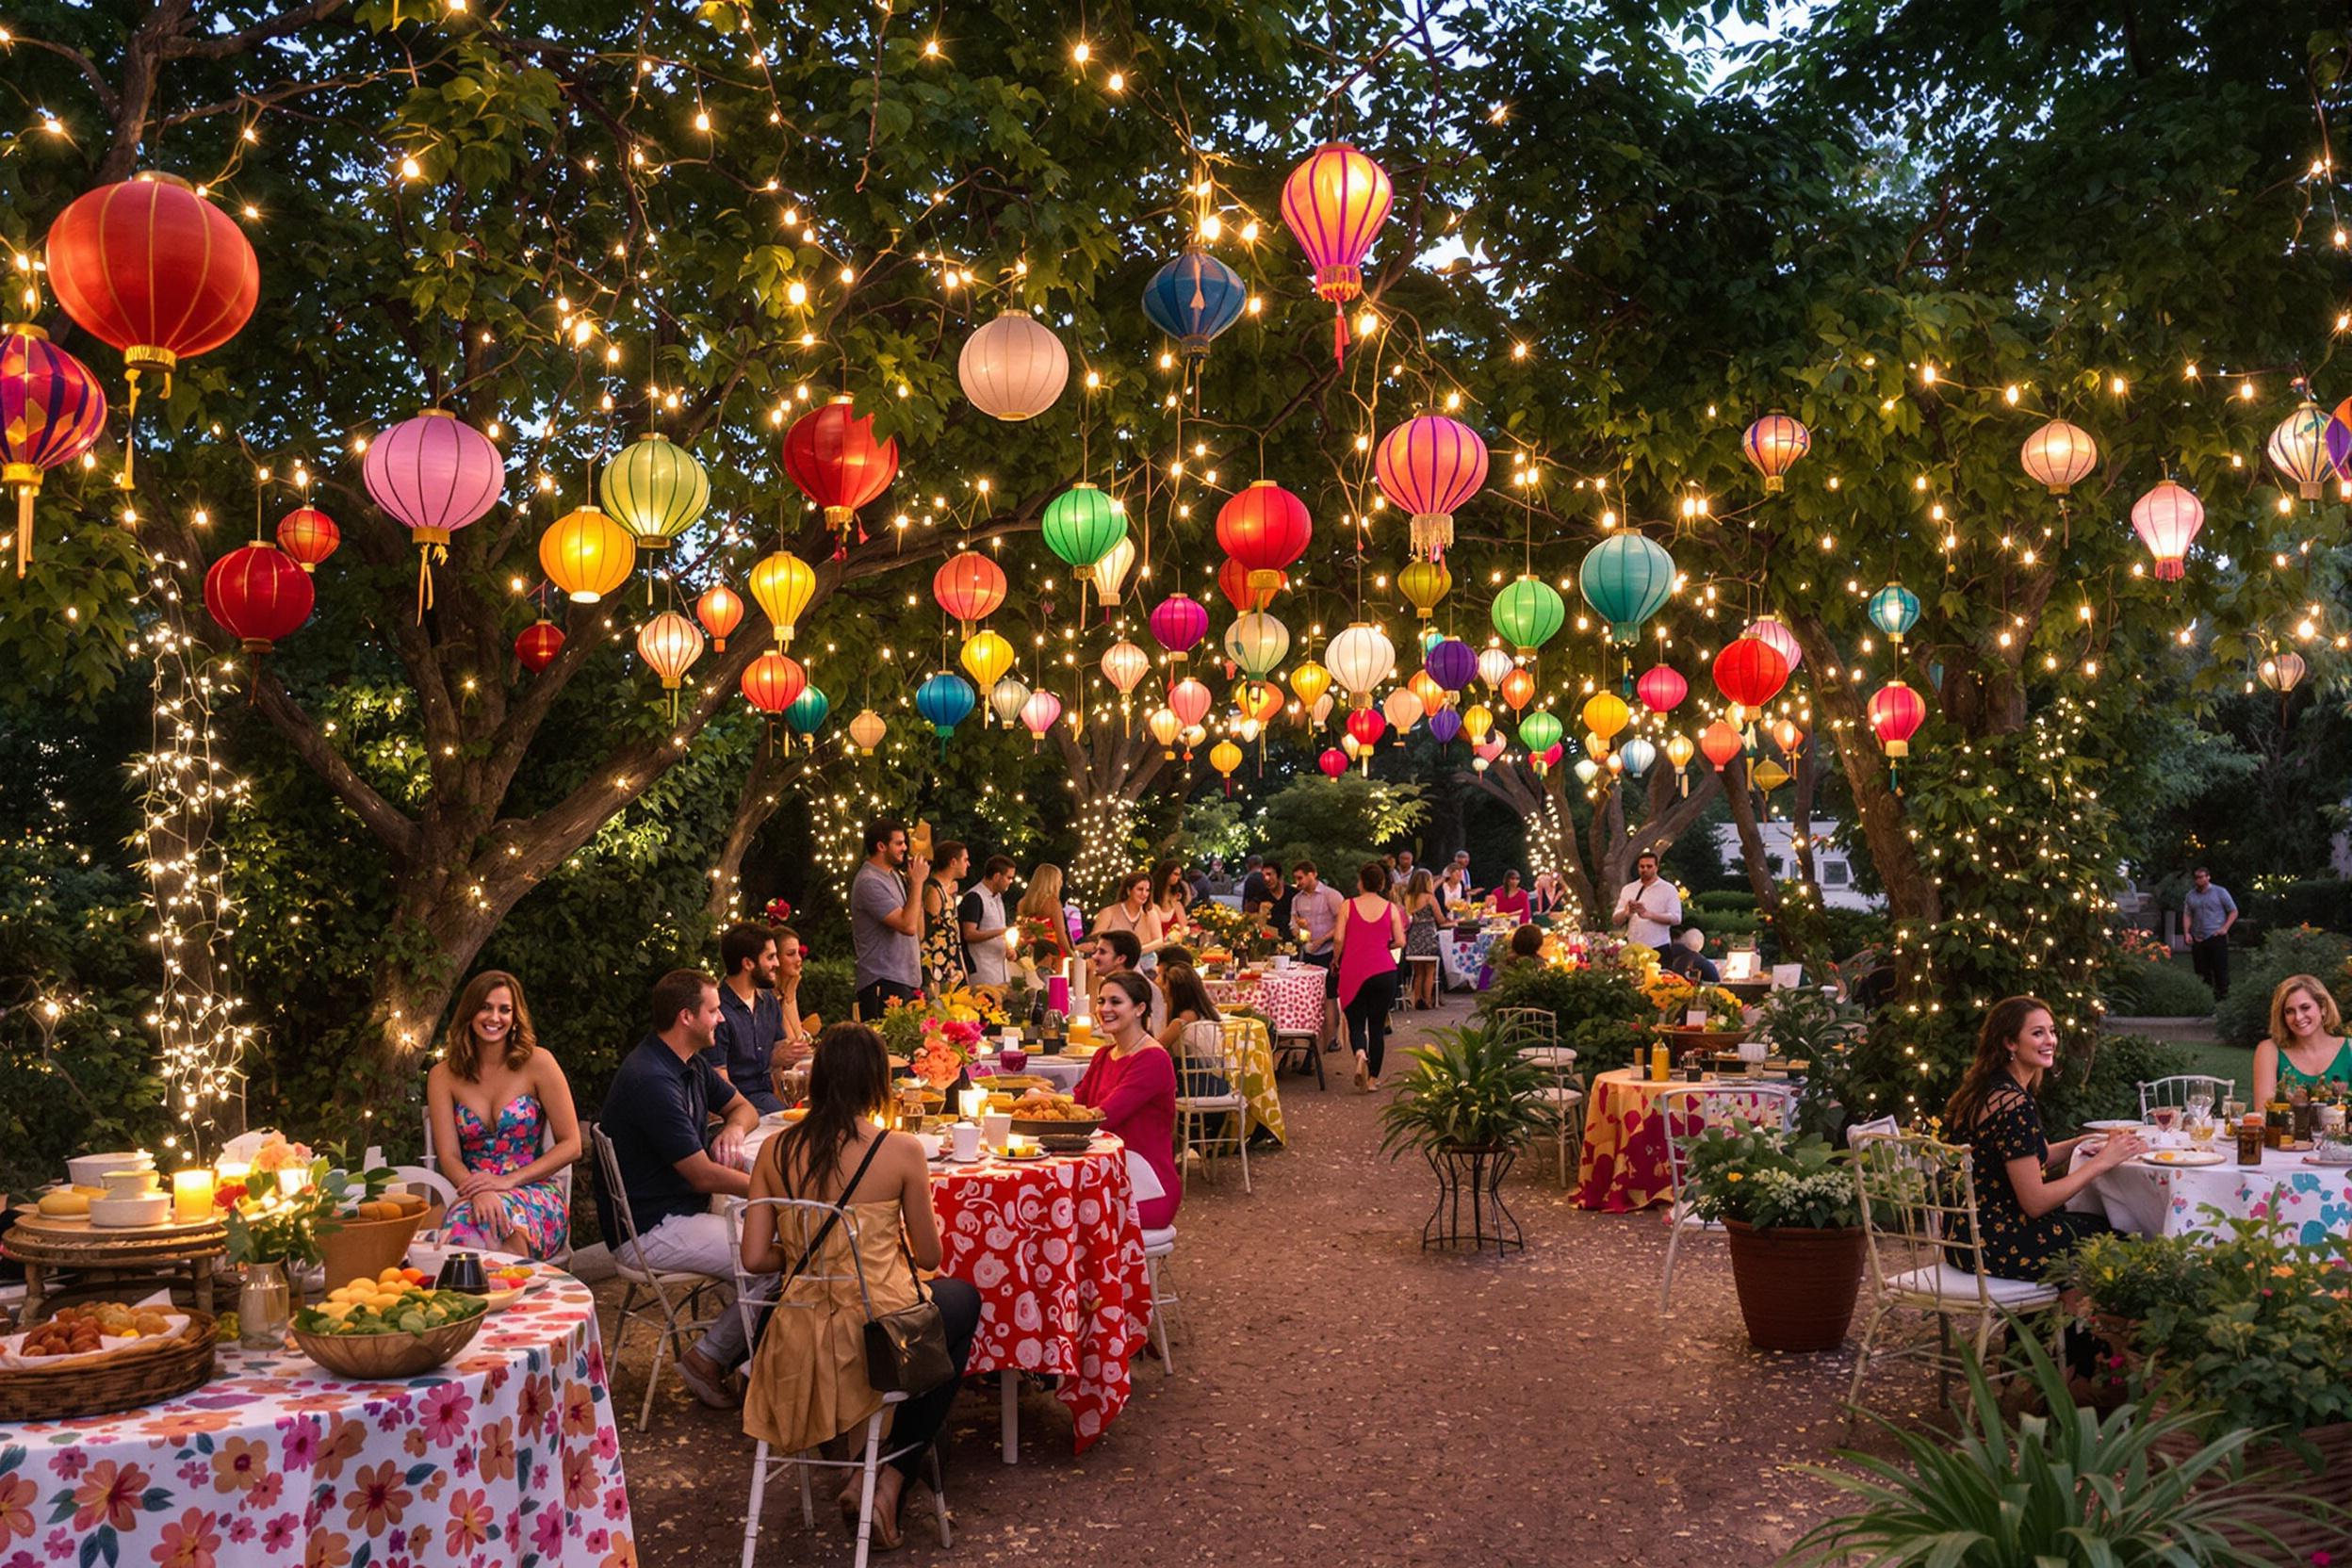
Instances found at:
x=1342 y=1398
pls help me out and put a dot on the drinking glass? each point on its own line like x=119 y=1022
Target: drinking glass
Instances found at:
x=2200 y=1102
x=2200 y=1131
x=2166 y=1115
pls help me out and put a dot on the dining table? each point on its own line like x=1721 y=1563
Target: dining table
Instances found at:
x=1624 y=1164
x=508 y=1454
x=1290 y=1000
x=2288 y=1189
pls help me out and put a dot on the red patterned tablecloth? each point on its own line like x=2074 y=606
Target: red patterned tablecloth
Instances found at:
x=506 y=1458
x=1293 y=998
x=1055 y=1252
x=1623 y=1165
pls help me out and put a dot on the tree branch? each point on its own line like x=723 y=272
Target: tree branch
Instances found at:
x=385 y=819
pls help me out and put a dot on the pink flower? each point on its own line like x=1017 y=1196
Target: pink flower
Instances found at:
x=277 y=1535
x=547 y=1532
x=189 y=1541
x=445 y=1413
x=378 y=1497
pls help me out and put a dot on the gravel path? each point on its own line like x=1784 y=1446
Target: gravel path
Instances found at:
x=1342 y=1398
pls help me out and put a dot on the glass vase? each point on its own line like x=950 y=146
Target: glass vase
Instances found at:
x=263 y=1307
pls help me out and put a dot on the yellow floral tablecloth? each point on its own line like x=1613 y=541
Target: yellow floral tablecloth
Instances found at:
x=1257 y=1082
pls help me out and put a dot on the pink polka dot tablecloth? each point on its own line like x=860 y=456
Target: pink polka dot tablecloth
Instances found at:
x=505 y=1458
x=1055 y=1251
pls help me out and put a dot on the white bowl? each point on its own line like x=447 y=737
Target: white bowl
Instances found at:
x=122 y=1213
x=90 y=1171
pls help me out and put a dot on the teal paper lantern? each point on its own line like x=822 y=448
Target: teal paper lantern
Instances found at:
x=1530 y=612
x=1540 y=731
x=1626 y=579
x=1081 y=525
x=945 y=700
x=1894 y=610
x=807 y=711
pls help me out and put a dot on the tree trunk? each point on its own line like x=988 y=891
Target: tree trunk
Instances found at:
x=1801 y=816
x=774 y=769
x=1671 y=814
x=1542 y=804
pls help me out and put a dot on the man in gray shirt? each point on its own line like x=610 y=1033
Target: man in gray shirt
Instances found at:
x=1315 y=912
x=2211 y=913
x=886 y=919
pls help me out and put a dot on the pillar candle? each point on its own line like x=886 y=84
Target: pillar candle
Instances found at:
x=191 y=1195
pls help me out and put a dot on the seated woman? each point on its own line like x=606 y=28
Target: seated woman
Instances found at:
x=2306 y=1046
x=493 y=1097
x=1133 y=1083
x=1193 y=1034
x=808 y=1381
x=2020 y=1207
x=1511 y=898
x=1547 y=897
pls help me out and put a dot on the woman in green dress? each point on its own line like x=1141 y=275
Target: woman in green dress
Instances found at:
x=2306 y=1047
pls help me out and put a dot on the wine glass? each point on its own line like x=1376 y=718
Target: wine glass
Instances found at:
x=2200 y=1101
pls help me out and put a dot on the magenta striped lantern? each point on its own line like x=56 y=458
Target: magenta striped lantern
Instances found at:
x=1335 y=202
x=1178 y=622
x=51 y=411
x=1774 y=444
x=1431 y=465
x=435 y=474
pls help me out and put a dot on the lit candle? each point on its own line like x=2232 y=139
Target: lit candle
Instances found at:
x=191 y=1195
x=974 y=1103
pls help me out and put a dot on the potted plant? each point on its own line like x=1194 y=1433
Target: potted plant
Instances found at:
x=1793 y=1217
x=1468 y=1105
x=2121 y=1279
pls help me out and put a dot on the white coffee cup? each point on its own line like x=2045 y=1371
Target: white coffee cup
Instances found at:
x=967 y=1141
x=995 y=1128
x=1282 y=963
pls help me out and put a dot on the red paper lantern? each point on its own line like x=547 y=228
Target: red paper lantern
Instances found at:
x=969 y=586
x=155 y=269
x=1233 y=582
x=1750 y=672
x=51 y=411
x=772 y=681
x=536 y=645
x=309 y=535
x=1721 y=742
x=1189 y=700
x=1896 y=715
x=832 y=455
x=258 y=595
x=1264 y=528
x=1366 y=725
x=1661 y=689
x=1333 y=762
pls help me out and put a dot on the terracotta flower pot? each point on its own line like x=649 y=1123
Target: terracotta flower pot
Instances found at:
x=1796 y=1285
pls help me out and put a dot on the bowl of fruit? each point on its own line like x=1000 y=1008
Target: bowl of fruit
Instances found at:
x=393 y=1326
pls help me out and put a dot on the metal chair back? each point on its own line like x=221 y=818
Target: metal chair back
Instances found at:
x=614 y=1198
x=1528 y=1027
x=1688 y=1110
x=2175 y=1091
x=1918 y=1212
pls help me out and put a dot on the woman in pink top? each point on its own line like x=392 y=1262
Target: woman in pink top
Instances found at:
x=1370 y=931
x=1511 y=899
x=1131 y=1081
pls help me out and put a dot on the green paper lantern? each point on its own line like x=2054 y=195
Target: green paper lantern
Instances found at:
x=1081 y=525
x=655 y=489
x=807 y=711
x=1539 y=731
x=1530 y=612
x=1625 y=578
x=1256 y=643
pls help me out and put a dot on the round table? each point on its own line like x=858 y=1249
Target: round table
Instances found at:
x=2310 y=1202
x=1290 y=1000
x=506 y=1454
x=1624 y=1166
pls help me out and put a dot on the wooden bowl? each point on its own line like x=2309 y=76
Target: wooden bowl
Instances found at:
x=364 y=1249
x=373 y=1358
x=1042 y=1128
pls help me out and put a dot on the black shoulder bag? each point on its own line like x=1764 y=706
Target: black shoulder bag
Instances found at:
x=906 y=1350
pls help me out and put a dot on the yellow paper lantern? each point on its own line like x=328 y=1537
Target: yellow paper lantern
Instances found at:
x=1309 y=682
x=1164 y=727
x=1606 y=713
x=987 y=657
x=586 y=554
x=1225 y=756
x=1477 y=720
x=782 y=584
x=1423 y=583
x=1769 y=776
x=1679 y=751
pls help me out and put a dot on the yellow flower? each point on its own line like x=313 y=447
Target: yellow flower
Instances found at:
x=2281 y=1271
x=1734 y=1176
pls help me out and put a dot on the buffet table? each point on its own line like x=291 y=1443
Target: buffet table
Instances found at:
x=1291 y=1000
x=508 y=1454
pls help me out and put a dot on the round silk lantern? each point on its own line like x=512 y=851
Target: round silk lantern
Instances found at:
x=1424 y=686
x=258 y=595
x=807 y=714
x=1245 y=589
x=1189 y=700
x=1638 y=754
x=1528 y=612
x=1194 y=299
x=1423 y=582
x=1335 y=202
x=308 y=535
x=721 y=610
x=1365 y=727
x=1013 y=369
x=669 y=643
x=1518 y=690
x=1894 y=610
x=1006 y=698
x=831 y=454
x=1540 y=730
x=2166 y=519
x=1750 y=672
x=1177 y=623
x=2284 y=671
x=435 y=474
x=1679 y=751
x=772 y=681
x=2298 y=447
x=1431 y=467
x=1477 y=720
x=1333 y=760
x=1626 y=579
x=2058 y=455
x=1040 y=712
x=1896 y=713
x=1310 y=682
x=866 y=731
x=1109 y=573
x=536 y=645
x=782 y=584
x=1444 y=724
x=1661 y=688
x=945 y=700
x=1494 y=665
x=1775 y=634
x=655 y=489
x=1225 y=756
x=1721 y=742
x=1606 y=715
x=1774 y=444
x=1256 y=643
x=1360 y=658
x=1165 y=728
x=988 y=656
x=1402 y=710
x=1451 y=664
x=51 y=411
x=1264 y=528
x=1081 y=525
x=1124 y=666
x=586 y=554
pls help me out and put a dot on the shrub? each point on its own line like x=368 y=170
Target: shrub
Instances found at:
x=827 y=987
x=1728 y=901
x=2243 y=1016
x=2265 y=1335
x=1603 y=1015
x=2324 y=902
x=2127 y=1276
x=2108 y=1083
x=1760 y=1177
x=2164 y=989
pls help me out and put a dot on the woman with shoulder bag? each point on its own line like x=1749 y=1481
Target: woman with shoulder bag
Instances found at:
x=812 y=1376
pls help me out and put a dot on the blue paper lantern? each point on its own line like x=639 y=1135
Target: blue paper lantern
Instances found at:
x=1452 y=664
x=1637 y=755
x=1444 y=724
x=1193 y=299
x=1894 y=610
x=945 y=700
x=1625 y=578
x=807 y=711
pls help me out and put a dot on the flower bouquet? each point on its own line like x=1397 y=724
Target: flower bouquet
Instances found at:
x=1247 y=935
x=934 y=1037
x=270 y=1220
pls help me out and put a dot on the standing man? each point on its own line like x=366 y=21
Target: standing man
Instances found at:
x=1402 y=873
x=751 y=1016
x=2211 y=913
x=886 y=919
x=1648 y=908
x=982 y=915
x=1314 y=914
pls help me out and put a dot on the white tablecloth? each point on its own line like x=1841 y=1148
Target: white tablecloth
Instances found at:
x=2314 y=1200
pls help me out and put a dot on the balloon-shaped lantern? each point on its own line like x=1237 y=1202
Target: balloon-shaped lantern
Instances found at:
x=309 y=535
x=944 y=700
x=1540 y=730
x=772 y=681
x=1177 y=623
x=1750 y=671
x=1721 y=742
x=1165 y=728
x=866 y=731
x=1402 y=710
x=1896 y=713
x=435 y=474
x=1661 y=688
x=1335 y=202
x=1190 y=701
x=1013 y=369
x=1451 y=664
x=806 y=714
x=1109 y=573
x=1124 y=666
x=1006 y=698
x=2058 y=455
x=1431 y=467
x=1264 y=528
x=1528 y=612
x=1518 y=690
x=656 y=489
x=51 y=411
x=1256 y=643
x=1225 y=756
x=782 y=585
x=2166 y=519
x=1494 y=665
x=1365 y=727
x=1333 y=760
x=1606 y=715
x=258 y=595
x=1625 y=578
x=1360 y=658
x=1194 y=299
x=1247 y=590
x=1310 y=682
x=1894 y=610
x=2340 y=440
x=586 y=554
x=669 y=643
x=721 y=610
x=1423 y=582
x=831 y=454
x=536 y=645
x=1638 y=754
x=2284 y=671
x=988 y=656
x=2299 y=449
x=1477 y=720
x=1039 y=713
x=1774 y=444
x=1081 y=525
x=1773 y=631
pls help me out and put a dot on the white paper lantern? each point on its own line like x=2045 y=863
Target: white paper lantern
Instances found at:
x=1125 y=665
x=1359 y=658
x=1494 y=664
x=1040 y=712
x=2058 y=454
x=1006 y=698
x=1013 y=369
x=2166 y=519
x=1110 y=573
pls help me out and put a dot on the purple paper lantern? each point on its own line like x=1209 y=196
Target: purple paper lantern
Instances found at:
x=1178 y=622
x=1444 y=724
x=1453 y=663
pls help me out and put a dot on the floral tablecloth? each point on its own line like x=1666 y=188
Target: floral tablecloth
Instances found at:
x=1463 y=954
x=506 y=1458
x=1624 y=1166
x=1293 y=1000
x=2312 y=1202
x=1056 y=1254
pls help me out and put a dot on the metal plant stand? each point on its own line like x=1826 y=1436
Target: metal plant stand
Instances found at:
x=1477 y=1175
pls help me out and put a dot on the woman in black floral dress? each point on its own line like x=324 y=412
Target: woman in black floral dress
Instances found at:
x=2020 y=1207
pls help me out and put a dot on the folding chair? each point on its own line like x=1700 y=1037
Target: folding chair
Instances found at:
x=669 y=1313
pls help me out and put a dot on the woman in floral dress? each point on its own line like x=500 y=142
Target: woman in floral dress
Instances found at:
x=492 y=1098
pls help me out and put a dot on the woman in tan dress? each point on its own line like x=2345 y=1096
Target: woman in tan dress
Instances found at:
x=808 y=1378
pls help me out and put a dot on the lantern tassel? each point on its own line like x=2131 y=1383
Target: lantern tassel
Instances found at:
x=130 y=426
x=23 y=528
x=1339 y=335
x=425 y=554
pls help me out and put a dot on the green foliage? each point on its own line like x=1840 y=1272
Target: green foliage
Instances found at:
x=2066 y=1489
x=2166 y=988
x=1808 y=1024
x=2324 y=902
x=2264 y=1332
x=2105 y=1083
x=827 y=987
x=1338 y=823
x=2243 y=1017
x=2129 y=1277
x=1215 y=825
x=1467 y=1088
x=1755 y=1175
x=1601 y=1012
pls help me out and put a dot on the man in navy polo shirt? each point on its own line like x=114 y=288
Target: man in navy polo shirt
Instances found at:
x=656 y=1115
x=751 y=1019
